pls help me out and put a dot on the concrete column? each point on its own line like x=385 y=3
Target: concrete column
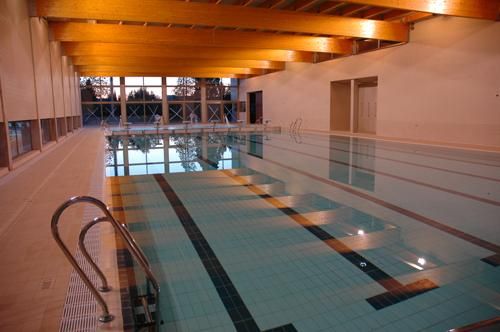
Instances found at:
x=123 y=101
x=352 y=107
x=204 y=106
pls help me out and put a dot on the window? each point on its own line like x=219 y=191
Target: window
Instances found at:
x=20 y=137
x=46 y=126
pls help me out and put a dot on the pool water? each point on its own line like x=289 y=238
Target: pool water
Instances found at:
x=272 y=232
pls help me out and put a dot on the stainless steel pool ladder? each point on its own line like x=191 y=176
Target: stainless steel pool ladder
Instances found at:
x=295 y=125
x=122 y=231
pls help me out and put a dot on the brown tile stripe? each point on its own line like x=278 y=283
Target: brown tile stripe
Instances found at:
x=400 y=161
x=428 y=221
x=450 y=191
x=396 y=291
x=492 y=324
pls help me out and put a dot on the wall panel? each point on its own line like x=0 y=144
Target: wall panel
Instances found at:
x=16 y=65
x=57 y=85
x=41 y=60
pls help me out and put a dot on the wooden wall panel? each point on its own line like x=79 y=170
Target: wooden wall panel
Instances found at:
x=57 y=85
x=65 y=81
x=16 y=66
x=41 y=61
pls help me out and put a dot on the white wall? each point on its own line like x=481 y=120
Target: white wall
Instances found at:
x=441 y=87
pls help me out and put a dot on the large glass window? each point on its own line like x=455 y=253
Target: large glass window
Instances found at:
x=46 y=126
x=144 y=97
x=222 y=98
x=100 y=100
x=20 y=137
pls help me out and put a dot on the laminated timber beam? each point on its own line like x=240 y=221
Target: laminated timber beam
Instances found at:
x=180 y=62
x=170 y=73
x=483 y=9
x=158 y=69
x=209 y=14
x=140 y=34
x=163 y=51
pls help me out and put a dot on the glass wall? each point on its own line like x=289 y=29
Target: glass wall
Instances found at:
x=184 y=99
x=20 y=137
x=222 y=99
x=100 y=100
x=143 y=96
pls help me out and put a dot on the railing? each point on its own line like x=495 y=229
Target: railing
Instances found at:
x=122 y=231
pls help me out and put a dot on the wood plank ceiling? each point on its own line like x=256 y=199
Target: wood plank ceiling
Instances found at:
x=233 y=38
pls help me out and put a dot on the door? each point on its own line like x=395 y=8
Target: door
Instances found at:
x=255 y=107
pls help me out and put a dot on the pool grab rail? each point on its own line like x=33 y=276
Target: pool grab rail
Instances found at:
x=295 y=125
x=125 y=235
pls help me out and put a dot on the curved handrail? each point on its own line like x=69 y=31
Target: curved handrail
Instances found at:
x=124 y=233
x=299 y=124
x=292 y=125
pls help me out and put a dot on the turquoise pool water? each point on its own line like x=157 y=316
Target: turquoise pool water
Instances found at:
x=256 y=232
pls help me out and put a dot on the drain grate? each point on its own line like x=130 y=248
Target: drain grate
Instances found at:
x=80 y=311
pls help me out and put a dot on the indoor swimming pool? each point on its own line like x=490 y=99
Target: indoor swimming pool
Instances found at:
x=310 y=232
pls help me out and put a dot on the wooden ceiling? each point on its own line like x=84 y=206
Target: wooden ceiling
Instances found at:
x=233 y=38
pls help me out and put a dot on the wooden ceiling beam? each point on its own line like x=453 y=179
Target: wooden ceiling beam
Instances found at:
x=330 y=6
x=370 y=13
x=208 y=14
x=163 y=51
x=302 y=4
x=483 y=9
x=168 y=74
x=353 y=9
x=115 y=33
x=139 y=61
x=159 y=69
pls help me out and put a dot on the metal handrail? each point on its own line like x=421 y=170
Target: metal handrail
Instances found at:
x=299 y=124
x=124 y=233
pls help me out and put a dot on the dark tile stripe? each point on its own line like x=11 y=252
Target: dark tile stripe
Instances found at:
x=389 y=298
x=493 y=260
x=236 y=308
x=284 y=328
x=397 y=292
x=418 y=217
x=397 y=177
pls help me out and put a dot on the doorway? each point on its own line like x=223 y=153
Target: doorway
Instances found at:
x=255 y=107
x=367 y=105
x=353 y=105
